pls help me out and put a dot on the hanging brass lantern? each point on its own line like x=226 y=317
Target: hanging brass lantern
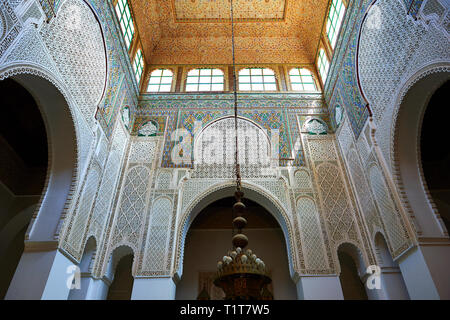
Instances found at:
x=241 y=274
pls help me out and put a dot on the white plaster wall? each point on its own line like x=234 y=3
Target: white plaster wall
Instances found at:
x=390 y=53
x=204 y=248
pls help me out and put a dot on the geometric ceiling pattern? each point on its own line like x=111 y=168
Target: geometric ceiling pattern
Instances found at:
x=199 y=31
x=219 y=10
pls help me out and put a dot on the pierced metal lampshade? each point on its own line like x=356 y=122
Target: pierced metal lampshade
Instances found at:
x=241 y=274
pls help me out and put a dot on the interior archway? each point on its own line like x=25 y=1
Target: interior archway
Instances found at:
x=119 y=272
x=352 y=267
x=61 y=162
x=23 y=169
x=407 y=146
x=85 y=266
x=392 y=282
x=209 y=239
x=352 y=286
x=223 y=190
x=435 y=154
x=122 y=285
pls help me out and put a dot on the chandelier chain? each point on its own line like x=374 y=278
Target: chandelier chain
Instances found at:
x=237 y=166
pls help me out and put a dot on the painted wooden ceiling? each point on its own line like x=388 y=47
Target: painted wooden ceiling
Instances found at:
x=219 y=10
x=199 y=31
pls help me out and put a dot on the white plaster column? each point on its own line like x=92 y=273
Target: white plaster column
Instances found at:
x=40 y=275
x=392 y=284
x=425 y=271
x=319 y=288
x=98 y=289
x=374 y=293
x=153 y=289
x=91 y=289
x=80 y=294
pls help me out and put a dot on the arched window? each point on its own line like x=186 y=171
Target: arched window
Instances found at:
x=138 y=66
x=323 y=65
x=257 y=79
x=205 y=80
x=302 y=80
x=334 y=22
x=126 y=21
x=160 y=81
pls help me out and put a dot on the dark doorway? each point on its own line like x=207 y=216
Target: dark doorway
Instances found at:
x=122 y=285
x=23 y=168
x=352 y=286
x=435 y=151
x=209 y=239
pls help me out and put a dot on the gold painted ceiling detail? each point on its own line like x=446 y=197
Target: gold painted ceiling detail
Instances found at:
x=165 y=40
x=219 y=10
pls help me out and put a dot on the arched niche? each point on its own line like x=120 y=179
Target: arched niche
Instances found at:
x=86 y=267
x=253 y=142
x=393 y=285
x=352 y=269
x=120 y=273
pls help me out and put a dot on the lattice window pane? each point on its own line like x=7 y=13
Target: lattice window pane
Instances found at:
x=126 y=21
x=323 y=65
x=138 y=66
x=160 y=81
x=49 y=7
x=257 y=79
x=205 y=80
x=302 y=80
x=214 y=150
x=334 y=22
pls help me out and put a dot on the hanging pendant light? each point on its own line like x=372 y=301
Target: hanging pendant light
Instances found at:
x=240 y=273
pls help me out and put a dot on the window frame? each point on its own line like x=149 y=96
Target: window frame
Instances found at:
x=199 y=77
x=320 y=63
x=302 y=83
x=252 y=83
x=160 y=83
x=121 y=15
x=138 y=68
x=334 y=23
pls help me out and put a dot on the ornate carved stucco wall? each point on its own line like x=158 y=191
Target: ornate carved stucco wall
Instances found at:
x=153 y=207
x=392 y=53
x=78 y=50
x=394 y=43
x=130 y=191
